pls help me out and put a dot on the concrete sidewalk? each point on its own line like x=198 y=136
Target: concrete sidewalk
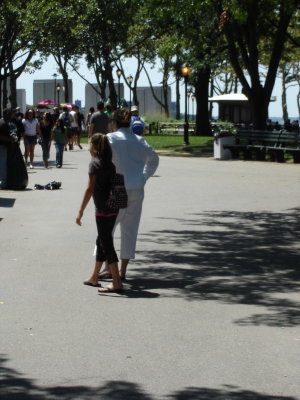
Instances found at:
x=211 y=308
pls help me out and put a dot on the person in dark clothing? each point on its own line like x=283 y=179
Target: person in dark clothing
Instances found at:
x=55 y=114
x=101 y=174
x=44 y=129
x=7 y=128
x=99 y=121
x=15 y=118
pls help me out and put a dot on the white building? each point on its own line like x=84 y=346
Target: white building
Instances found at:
x=45 y=89
x=147 y=102
x=92 y=97
x=21 y=99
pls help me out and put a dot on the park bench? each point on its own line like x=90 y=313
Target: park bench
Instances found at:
x=174 y=128
x=255 y=144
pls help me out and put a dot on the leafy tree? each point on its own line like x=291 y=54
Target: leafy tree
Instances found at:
x=255 y=32
x=16 y=50
x=52 y=25
x=290 y=64
x=194 y=26
x=103 y=33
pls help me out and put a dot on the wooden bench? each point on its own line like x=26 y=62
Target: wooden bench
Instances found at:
x=174 y=128
x=254 y=144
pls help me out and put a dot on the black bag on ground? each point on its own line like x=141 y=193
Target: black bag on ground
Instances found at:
x=17 y=176
x=118 y=197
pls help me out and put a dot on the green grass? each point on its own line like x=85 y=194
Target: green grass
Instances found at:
x=173 y=145
x=199 y=145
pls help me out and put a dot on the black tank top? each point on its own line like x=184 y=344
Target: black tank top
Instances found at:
x=46 y=130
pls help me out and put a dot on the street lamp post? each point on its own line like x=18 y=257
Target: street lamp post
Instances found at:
x=185 y=71
x=54 y=76
x=119 y=73
x=188 y=93
x=130 y=80
x=58 y=87
x=193 y=99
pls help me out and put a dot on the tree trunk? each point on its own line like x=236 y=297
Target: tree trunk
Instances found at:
x=12 y=84
x=62 y=64
x=177 y=97
x=135 y=100
x=66 y=86
x=111 y=84
x=13 y=91
x=259 y=105
x=243 y=52
x=4 y=94
x=285 y=114
x=1 y=84
x=211 y=93
x=201 y=83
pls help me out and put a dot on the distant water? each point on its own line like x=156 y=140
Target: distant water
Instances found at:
x=280 y=120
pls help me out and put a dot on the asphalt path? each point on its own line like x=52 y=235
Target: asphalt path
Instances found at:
x=211 y=307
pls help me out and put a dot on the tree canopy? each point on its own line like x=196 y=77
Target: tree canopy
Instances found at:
x=206 y=34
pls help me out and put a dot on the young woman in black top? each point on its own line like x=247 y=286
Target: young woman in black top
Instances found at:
x=101 y=174
x=44 y=129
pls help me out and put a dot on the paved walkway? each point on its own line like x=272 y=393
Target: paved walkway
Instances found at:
x=211 y=309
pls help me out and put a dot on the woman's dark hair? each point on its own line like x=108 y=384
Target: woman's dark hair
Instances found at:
x=122 y=117
x=92 y=110
x=26 y=116
x=47 y=116
x=102 y=146
x=61 y=124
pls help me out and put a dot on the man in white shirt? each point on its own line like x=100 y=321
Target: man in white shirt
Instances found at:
x=75 y=127
x=137 y=161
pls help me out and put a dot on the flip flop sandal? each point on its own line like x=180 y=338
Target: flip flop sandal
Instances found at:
x=105 y=276
x=110 y=290
x=91 y=284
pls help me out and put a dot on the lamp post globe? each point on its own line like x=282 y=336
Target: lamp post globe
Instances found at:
x=185 y=71
x=58 y=88
x=54 y=76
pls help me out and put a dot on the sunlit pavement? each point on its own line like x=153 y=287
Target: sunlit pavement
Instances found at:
x=211 y=306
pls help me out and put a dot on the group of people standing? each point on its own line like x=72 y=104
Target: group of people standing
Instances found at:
x=115 y=148
x=63 y=128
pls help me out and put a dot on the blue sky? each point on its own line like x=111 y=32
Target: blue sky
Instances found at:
x=49 y=68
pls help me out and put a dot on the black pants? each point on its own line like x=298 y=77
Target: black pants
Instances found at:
x=105 y=242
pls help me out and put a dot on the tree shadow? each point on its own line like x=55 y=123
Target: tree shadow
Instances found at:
x=228 y=392
x=14 y=386
x=234 y=257
x=7 y=202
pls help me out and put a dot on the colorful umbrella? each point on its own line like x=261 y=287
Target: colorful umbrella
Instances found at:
x=48 y=102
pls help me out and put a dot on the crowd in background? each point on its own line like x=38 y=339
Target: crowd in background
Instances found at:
x=63 y=128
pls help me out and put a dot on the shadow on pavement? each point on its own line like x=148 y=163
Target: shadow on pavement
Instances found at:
x=234 y=257
x=7 y=202
x=14 y=386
